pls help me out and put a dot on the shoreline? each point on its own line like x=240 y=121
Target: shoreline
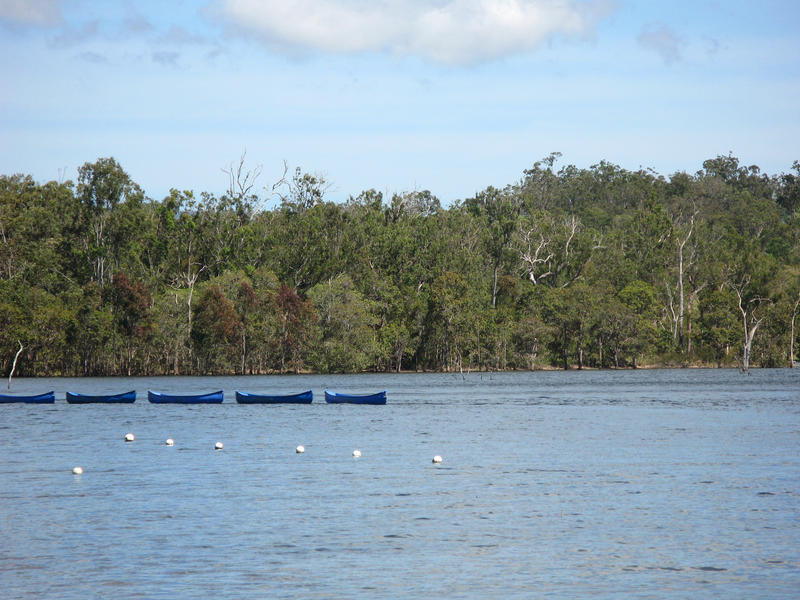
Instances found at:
x=543 y=369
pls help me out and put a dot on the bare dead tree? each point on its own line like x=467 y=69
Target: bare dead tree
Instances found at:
x=14 y=364
x=275 y=191
x=533 y=246
x=240 y=180
x=571 y=224
x=242 y=185
x=751 y=321
x=540 y=249
x=791 y=333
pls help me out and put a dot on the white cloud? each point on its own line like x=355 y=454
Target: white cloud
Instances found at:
x=664 y=42
x=72 y=36
x=168 y=59
x=93 y=57
x=444 y=31
x=40 y=13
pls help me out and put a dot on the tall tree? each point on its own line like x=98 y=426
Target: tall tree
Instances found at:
x=348 y=327
x=130 y=302
x=500 y=209
x=296 y=323
x=215 y=331
x=103 y=188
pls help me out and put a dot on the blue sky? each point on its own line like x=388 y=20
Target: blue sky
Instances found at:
x=396 y=95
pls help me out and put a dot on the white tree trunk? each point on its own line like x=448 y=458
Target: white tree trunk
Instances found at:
x=749 y=326
x=681 y=298
x=14 y=364
x=791 y=332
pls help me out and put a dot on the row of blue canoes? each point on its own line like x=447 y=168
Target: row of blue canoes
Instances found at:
x=212 y=398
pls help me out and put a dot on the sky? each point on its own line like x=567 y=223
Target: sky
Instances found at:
x=450 y=96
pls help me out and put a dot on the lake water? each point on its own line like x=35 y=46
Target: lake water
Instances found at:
x=636 y=484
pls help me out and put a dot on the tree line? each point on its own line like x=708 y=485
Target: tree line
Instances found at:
x=568 y=267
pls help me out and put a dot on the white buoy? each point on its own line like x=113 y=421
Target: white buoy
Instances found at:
x=357 y=453
x=77 y=470
x=300 y=449
x=218 y=446
x=170 y=442
x=129 y=437
x=437 y=459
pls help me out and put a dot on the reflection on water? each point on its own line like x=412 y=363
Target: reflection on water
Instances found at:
x=651 y=483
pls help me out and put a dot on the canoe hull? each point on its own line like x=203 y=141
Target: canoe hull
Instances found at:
x=48 y=398
x=125 y=398
x=301 y=398
x=337 y=398
x=159 y=398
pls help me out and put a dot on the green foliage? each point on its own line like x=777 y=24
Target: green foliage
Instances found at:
x=568 y=267
x=719 y=325
x=296 y=329
x=214 y=331
x=347 y=327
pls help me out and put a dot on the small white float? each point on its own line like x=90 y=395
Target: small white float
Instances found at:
x=218 y=446
x=129 y=437
x=357 y=453
x=170 y=442
x=437 y=459
x=300 y=449
x=77 y=470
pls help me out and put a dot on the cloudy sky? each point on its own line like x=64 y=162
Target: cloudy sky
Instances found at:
x=446 y=95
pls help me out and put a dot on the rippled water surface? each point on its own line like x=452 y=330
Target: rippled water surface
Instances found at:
x=649 y=484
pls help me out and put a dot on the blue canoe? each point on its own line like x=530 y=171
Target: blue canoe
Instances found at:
x=125 y=398
x=301 y=398
x=159 y=398
x=48 y=398
x=337 y=398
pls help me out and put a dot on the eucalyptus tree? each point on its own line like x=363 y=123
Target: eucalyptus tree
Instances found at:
x=748 y=278
x=788 y=190
x=533 y=332
x=108 y=196
x=246 y=305
x=365 y=232
x=308 y=245
x=683 y=230
x=718 y=327
x=35 y=221
x=540 y=188
x=499 y=210
x=130 y=302
x=640 y=298
x=17 y=198
x=553 y=250
x=215 y=331
x=305 y=191
x=450 y=335
x=296 y=329
x=241 y=184
x=12 y=326
x=347 y=322
x=171 y=335
x=187 y=260
x=413 y=251
x=255 y=299
x=559 y=313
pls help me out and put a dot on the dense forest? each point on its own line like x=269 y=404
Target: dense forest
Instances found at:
x=568 y=268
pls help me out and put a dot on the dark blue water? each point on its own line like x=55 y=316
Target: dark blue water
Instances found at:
x=644 y=484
